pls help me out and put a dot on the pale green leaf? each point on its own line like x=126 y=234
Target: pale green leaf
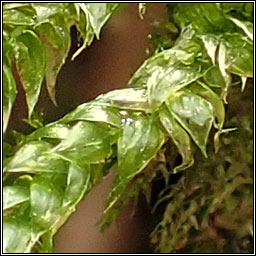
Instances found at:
x=180 y=139
x=14 y=195
x=87 y=141
x=77 y=184
x=164 y=74
x=139 y=143
x=194 y=114
x=211 y=44
x=186 y=47
x=204 y=91
x=164 y=84
x=36 y=157
x=27 y=152
x=45 y=201
x=181 y=56
x=147 y=138
x=238 y=53
x=127 y=99
x=17 y=235
x=99 y=14
x=51 y=131
x=44 y=12
x=94 y=112
x=223 y=66
x=92 y=17
x=19 y=14
x=84 y=27
x=171 y=70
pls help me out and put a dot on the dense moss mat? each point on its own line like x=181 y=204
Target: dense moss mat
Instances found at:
x=211 y=206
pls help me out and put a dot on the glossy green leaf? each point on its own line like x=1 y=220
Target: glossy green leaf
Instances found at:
x=92 y=17
x=194 y=114
x=129 y=98
x=214 y=44
x=147 y=139
x=9 y=85
x=187 y=47
x=27 y=152
x=31 y=64
x=9 y=94
x=172 y=69
x=163 y=74
x=84 y=27
x=36 y=157
x=204 y=91
x=44 y=12
x=184 y=51
x=134 y=154
x=88 y=141
x=180 y=139
x=19 y=14
x=55 y=36
x=239 y=54
x=51 y=131
x=162 y=84
x=14 y=195
x=99 y=14
x=46 y=202
x=18 y=237
x=94 y=112
x=217 y=75
x=77 y=184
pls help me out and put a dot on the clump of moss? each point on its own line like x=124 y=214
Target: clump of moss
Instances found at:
x=211 y=206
